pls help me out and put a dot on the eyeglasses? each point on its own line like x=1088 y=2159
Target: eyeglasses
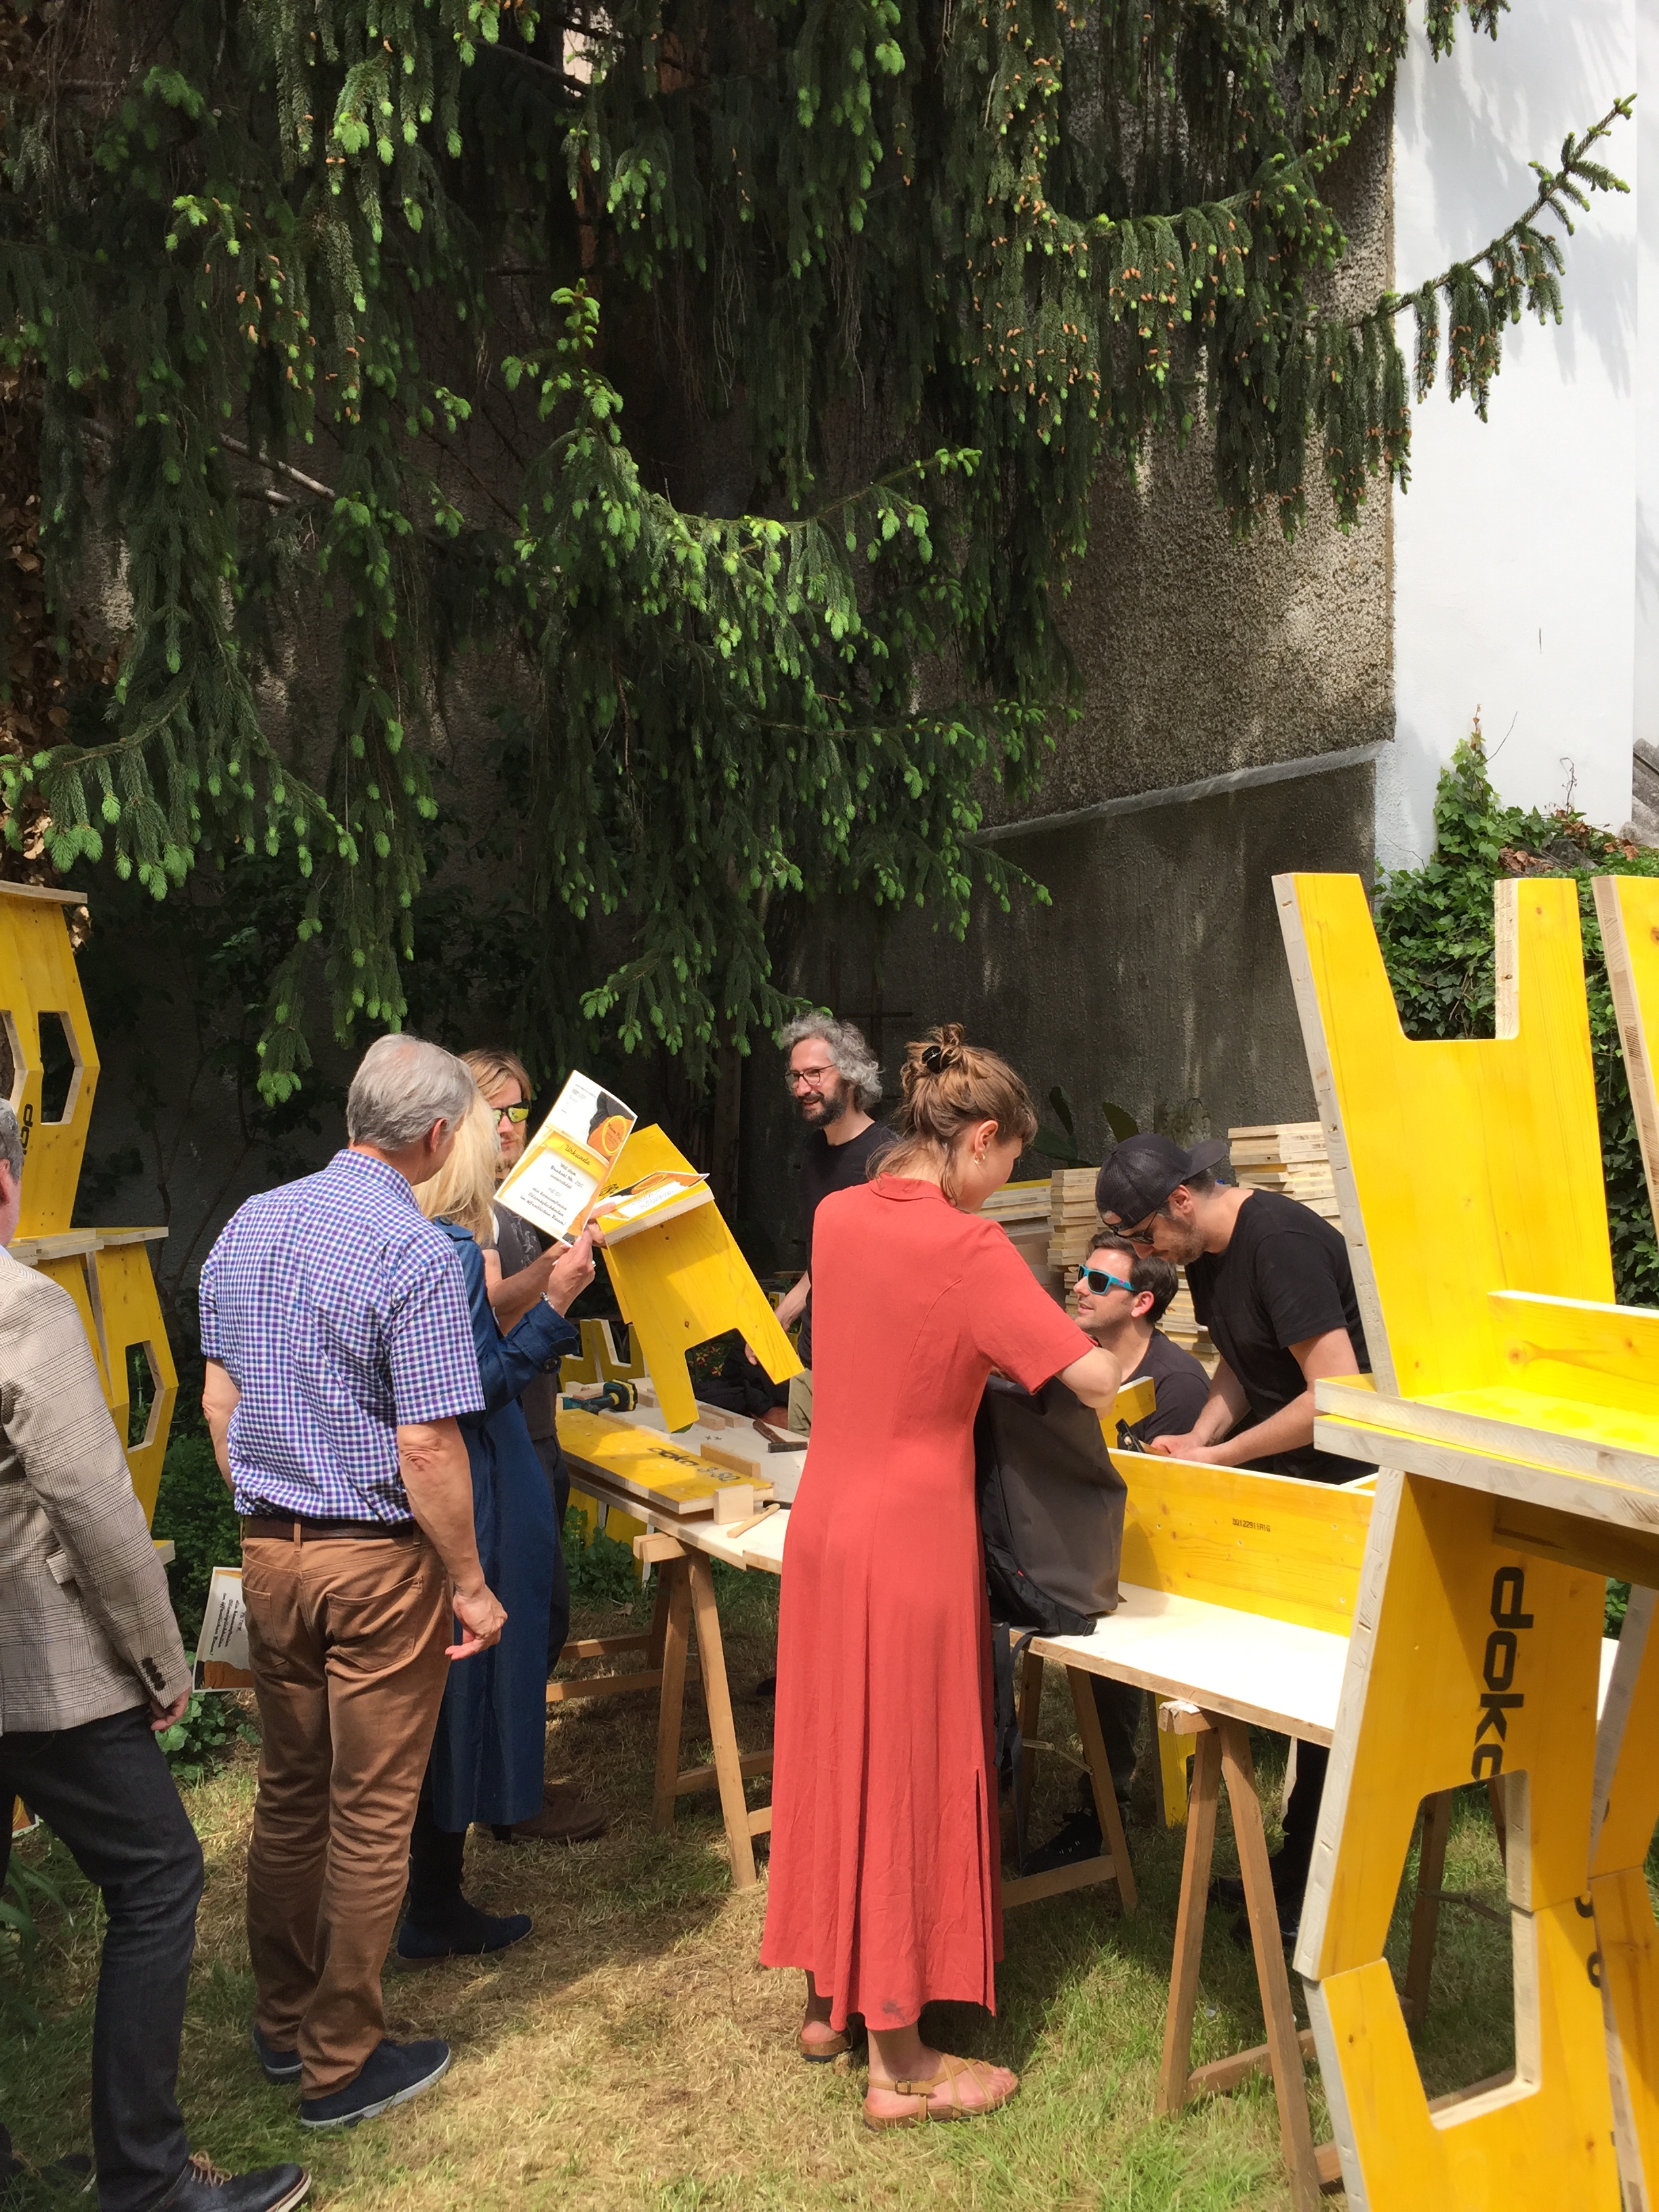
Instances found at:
x=513 y=1114
x=1144 y=1233
x=1099 y=1282
x=811 y=1077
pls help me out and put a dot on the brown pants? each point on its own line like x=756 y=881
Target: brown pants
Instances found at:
x=346 y=1639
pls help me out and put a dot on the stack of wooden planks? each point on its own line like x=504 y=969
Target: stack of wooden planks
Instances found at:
x=1023 y=1210
x=1288 y=1157
x=1074 y=1222
x=1180 y=1325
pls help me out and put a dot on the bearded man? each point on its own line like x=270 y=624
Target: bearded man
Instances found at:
x=833 y=1079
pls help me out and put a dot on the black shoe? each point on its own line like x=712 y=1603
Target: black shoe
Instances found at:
x=391 y=2074
x=462 y=1932
x=276 y=2065
x=1289 y=1927
x=767 y=1687
x=201 y=2188
x=1080 y=1838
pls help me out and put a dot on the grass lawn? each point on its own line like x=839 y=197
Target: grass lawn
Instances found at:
x=632 y=2057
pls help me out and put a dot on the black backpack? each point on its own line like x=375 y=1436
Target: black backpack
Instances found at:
x=1050 y=1507
x=1051 y=1515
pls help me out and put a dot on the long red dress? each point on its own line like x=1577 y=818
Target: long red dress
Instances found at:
x=883 y=1876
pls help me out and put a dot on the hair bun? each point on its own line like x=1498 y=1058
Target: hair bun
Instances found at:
x=944 y=1048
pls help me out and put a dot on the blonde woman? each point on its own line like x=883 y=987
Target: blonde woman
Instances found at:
x=486 y=1762
x=883 y=1877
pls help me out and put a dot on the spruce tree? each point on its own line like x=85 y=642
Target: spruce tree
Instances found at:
x=373 y=335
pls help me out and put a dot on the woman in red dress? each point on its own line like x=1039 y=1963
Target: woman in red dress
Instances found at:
x=884 y=1881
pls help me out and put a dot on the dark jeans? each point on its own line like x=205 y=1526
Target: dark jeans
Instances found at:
x=1121 y=1706
x=558 y=1481
x=436 y=1857
x=104 y=1789
x=1290 y=1865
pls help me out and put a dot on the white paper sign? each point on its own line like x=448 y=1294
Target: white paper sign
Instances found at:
x=222 y=1660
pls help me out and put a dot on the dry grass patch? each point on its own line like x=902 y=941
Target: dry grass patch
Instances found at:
x=632 y=2056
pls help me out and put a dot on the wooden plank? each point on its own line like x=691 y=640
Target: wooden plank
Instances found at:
x=1100 y=1777
x=603 y=1686
x=1224 y=2074
x=1176 y=2069
x=1031 y=1728
x=1426 y=1909
x=675 y=1599
x=1057 y=1881
x=717 y=1697
x=604 y=1647
x=691 y=1778
x=1628 y=911
x=43 y=891
x=1295 y=2129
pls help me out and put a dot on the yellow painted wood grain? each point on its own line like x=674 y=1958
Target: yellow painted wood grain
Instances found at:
x=1464 y=1166
x=1265 y=1544
x=685 y=1281
x=38 y=976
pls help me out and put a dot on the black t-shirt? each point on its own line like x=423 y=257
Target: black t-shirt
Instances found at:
x=1181 y=1388
x=1284 y=1277
x=824 y=1168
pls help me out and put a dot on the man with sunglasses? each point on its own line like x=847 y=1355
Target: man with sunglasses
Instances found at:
x=1272 y=1282
x=527 y=1260
x=1122 y=1295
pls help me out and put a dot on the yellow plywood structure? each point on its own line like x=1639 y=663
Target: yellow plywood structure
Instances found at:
x=685 y=1281
x=1516 y=1424
x=106 y=1272
x=1268 y=1543
x=38 y=980
x=1462 y=1167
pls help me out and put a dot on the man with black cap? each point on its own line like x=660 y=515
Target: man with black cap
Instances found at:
x=1272 y=1282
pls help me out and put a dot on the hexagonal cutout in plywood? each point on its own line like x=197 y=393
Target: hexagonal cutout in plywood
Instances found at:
x=60 y=1066
x=11 y=1062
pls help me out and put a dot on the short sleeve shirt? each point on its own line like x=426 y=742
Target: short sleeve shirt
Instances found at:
x=340 y=1313
x=1284 y=1277
x=1179 y=1389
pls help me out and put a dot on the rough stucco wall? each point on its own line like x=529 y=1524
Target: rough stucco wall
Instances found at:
x=1157 y=978
x=1201 y=654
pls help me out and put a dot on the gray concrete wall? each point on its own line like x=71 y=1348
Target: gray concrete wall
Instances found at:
x=1156 y=979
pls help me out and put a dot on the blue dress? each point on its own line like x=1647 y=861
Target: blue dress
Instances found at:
x=487 y=1754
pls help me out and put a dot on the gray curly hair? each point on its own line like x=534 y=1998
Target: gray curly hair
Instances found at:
x=854 y=1062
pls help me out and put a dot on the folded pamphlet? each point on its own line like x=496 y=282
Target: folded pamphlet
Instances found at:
x=221 y=1657
x=655 y=1198
x=569 y=1161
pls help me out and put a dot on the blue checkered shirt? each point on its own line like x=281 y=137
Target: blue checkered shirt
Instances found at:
x=338 y=1312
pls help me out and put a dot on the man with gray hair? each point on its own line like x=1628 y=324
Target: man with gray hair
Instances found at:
x=91 y=1667
x=339 y=1354
x=833 y=1078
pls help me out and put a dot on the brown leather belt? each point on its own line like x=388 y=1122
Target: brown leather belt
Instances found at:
x=296 y=1528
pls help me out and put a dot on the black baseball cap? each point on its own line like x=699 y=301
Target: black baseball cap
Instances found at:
x=1143 y=1172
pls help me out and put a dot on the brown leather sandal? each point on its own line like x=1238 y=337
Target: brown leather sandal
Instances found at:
x=950 y=2070
x=823 y=2048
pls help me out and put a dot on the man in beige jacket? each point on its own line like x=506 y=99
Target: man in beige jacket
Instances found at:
x=91 y=1667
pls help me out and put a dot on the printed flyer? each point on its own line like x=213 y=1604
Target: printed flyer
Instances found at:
x=569 y=1161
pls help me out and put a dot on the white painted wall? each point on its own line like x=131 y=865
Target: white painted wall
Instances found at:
x=1516 y=543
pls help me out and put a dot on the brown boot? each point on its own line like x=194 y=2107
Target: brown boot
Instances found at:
x=565 y=1817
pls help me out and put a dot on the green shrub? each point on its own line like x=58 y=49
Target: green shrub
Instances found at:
x=193 y=1508
x=602 y=1574
x=210 y=1725
x=1435 y=924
